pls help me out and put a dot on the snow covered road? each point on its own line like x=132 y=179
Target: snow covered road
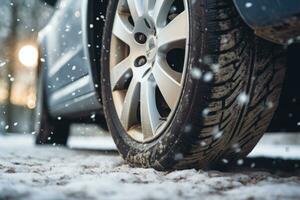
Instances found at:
x=44 y=173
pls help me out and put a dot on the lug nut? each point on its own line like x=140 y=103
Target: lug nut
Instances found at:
x=141 y=38
x=140 y=61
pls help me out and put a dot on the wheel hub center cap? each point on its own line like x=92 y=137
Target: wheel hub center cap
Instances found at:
x=151 y=48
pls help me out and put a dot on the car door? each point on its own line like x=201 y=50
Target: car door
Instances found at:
x=69 y=83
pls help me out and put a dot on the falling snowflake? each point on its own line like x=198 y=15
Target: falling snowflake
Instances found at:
x=243 y=98
x=240 y=162
x=203 y=144
x=2 y=64
x=77 y=14
x=205 y=112
x=248 y=4
x=225 y=161
x=127 y=75
x=93 y=116
x=208 y=77
x=290 y=41
x=196 y=73
x=217 y=133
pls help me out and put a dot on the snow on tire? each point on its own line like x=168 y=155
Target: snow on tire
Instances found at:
x=231 y=87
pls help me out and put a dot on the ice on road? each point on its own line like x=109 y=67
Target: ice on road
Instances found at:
x=46 y=173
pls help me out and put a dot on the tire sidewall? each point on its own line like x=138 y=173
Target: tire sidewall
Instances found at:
x=181 y=133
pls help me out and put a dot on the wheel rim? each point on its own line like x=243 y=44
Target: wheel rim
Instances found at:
x=148 y=57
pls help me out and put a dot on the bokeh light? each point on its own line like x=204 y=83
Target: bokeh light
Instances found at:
x=28 y=56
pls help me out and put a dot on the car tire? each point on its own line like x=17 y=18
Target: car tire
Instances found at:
x=230 y=92
x=48 y=131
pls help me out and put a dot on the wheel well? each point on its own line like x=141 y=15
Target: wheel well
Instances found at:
x=95 y=19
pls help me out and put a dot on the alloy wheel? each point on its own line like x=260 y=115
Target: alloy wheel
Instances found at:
x=148 y=58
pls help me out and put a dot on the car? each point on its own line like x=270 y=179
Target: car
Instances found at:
x=179 y=83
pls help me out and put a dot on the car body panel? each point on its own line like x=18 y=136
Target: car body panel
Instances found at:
x=64 y=48
x=275 y=20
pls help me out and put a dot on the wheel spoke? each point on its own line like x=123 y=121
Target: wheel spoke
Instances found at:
x=174 y=35
x=122 y=30
x=168 y=82
x=145 y=82
x=149 y=113
x=160 y=11
x=130 y=106
x=149 y=5
x=120 y=74
x=137 y=8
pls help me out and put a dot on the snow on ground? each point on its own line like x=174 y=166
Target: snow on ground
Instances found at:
x=286 y=146
x=45 y=173
x=278 y=145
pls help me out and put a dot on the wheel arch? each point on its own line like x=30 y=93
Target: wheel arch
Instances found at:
x=276 y=21
x=93 y=16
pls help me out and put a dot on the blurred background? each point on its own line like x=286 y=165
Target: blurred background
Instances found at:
x=20 y=23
